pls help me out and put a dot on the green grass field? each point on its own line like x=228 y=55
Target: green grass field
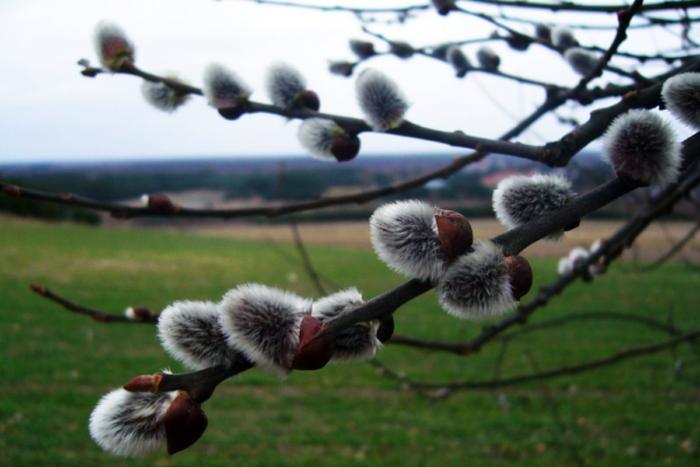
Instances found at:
x=56 y=365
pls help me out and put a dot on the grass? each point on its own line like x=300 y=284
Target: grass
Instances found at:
x=54 y=365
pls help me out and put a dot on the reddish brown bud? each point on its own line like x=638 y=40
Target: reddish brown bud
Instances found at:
x=141 y=312
x=345 y=147
x=144 y=383
x=315 y=345
x=160 y=203
x=185 y=422
x=386 y=329
x=232 y=113
x=362 y=49
x=38 y=288
x=520 y=274
x=308 y=100
x=401 y=49
x=454 y=232
x=341 y=68
x=12 y=190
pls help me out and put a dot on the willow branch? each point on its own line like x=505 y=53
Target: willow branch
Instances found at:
x=578 y=7
x=445 y=389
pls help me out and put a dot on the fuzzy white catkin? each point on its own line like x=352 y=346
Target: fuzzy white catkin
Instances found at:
x=581 y=60
x=113 y=48
x=641 y=146
x=263 y=323
x=522 y=198
x=380 y=99
x=477 y=284
x=681 y=94
x=161 y=96
x=223 y=88
x=191 y=332
x=317 y=136
x=404 y=236
x=284 y=83
x=358 y=341
x=130 y=423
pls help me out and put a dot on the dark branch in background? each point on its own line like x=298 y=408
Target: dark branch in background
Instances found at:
x=572 y=7
x=677 y=247
x=443 y=390
x=97 y=315
x=306 y=260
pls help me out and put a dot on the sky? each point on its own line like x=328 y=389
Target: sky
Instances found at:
x=49 y=111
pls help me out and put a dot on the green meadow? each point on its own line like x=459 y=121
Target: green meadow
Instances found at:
x=55 y=365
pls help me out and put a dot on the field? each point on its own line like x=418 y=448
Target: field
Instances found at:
x=55 y=365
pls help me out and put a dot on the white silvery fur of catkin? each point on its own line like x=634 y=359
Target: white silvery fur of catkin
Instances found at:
x=477 y=284
x=222 y=87
x=191 y=332
x=358 y=341
x=161 y=96
x=263 y=323
x=642 y=145
x=284 y=83
x=130 y=423
x=581 y=60
x=317 y=135
x=380 y=99
x=563 y=38
x=104 y=32
x=404 y=236
x=681 y=94
x=522 y=198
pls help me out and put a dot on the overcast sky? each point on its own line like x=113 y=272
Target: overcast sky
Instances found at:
x=50 y=112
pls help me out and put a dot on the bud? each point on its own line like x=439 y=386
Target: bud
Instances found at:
x=382 y=102
x=563 y=38
x=520 y=274
x=642 y=148
x=358 y=341
x=161 y=96
x=328 y=141
x=287 y=88
x=581 y=60
x=130 y=423
x=543 y=33
x=522 y=198
x=138 y=313
x=443 y=7
x=315 y=345
x=113 y=47
x=488 y=59
x=144 y=383
x=404 y=235
x=363 y=49
x=681 y=94
x=401 y=49
x=192 y=334
x=225 y=91
x=264 y=324
x=518 y=42
x=458 y=60
x=160 y=203
x=440 y=52
x=454 y=232
x=184 y=422
x=341 y=68
x=477 y=285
